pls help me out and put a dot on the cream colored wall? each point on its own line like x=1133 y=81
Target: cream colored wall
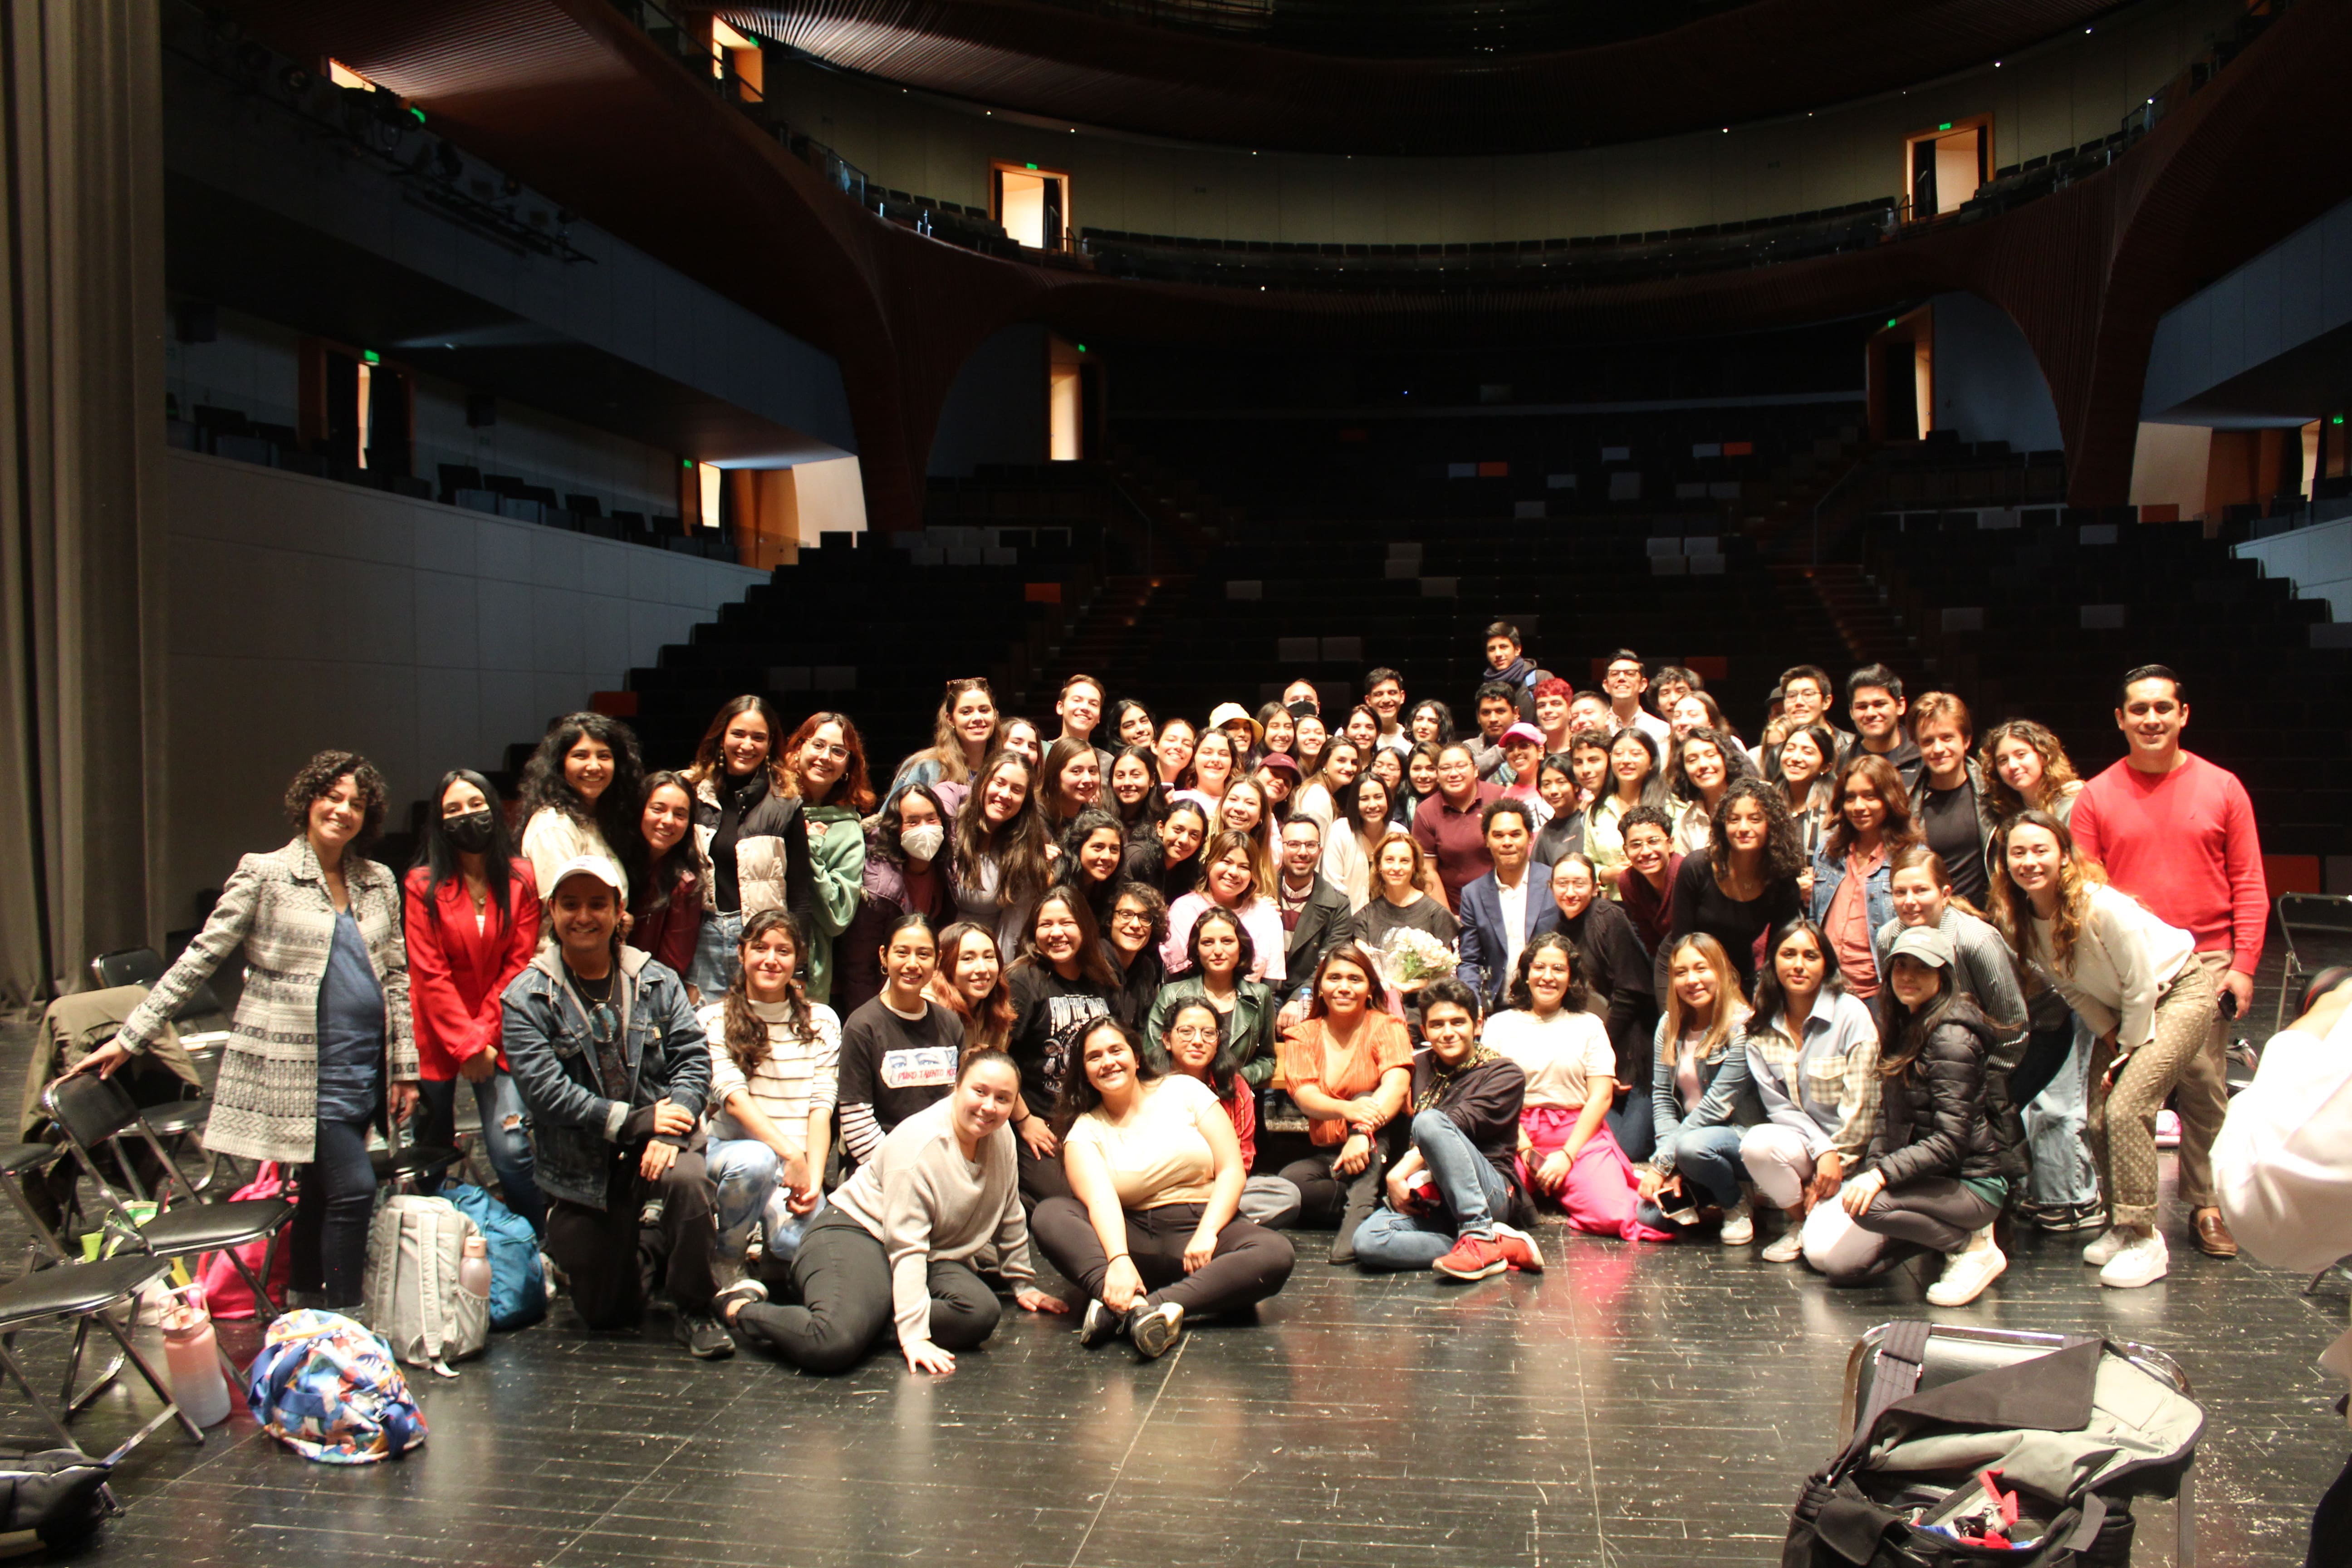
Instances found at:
x=2058 y=95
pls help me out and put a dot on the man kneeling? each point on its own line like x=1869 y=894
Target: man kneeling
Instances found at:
x=615 y=1070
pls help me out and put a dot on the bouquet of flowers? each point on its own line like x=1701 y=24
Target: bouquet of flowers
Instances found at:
x=1409 y=958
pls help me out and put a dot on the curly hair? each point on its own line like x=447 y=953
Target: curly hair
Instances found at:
x=1784 y=855
x=2012 y=910
x=1521 y=997
x=319 y=775
x=1736 y=765
x=2057 y=767
x=1079 y=1094
x=544 y=788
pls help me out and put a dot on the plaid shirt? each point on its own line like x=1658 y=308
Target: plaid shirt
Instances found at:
x=1839 y=1069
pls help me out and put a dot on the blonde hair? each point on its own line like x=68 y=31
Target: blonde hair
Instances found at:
x=1729 y=1008
x=2012 y=911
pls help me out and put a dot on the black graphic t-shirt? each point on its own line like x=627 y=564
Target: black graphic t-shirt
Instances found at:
x=1049 y=1014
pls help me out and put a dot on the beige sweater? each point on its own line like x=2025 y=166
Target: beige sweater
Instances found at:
x=926 y=1202
x=2123 y=961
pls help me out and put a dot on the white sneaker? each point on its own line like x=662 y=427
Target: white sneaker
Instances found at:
x=1739 y=1224
x=2143 y=1260
x=1966 y=1275
x=2103 y=1251
x=1787 y=1246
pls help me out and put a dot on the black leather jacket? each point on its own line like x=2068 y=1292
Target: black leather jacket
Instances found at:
x=1931 y=1118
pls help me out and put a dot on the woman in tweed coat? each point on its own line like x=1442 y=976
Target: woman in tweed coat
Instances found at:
x=322 y=1044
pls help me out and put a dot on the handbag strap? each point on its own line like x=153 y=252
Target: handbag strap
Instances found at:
x=1895 y=1377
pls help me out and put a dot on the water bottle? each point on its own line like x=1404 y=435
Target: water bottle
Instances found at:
x=474 y=1268
x=191 y=1357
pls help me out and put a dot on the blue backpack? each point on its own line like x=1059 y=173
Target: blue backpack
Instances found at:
x=518 y=1284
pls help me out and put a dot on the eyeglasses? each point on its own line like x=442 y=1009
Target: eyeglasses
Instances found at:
x=1192 y=1034
x=1130 y=918
x=824 y=749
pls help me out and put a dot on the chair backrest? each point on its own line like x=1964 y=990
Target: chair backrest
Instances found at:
x=144 y=966
x=90 y=1109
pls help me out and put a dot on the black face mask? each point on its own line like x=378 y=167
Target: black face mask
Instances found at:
x=469 y=831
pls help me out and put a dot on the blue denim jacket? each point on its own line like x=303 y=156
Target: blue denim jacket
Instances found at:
x=1728 y=1094
x=1877 y=894
x=574 y=1129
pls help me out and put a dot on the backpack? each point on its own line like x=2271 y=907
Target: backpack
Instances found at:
x=227 y=1295
x=329 y=1390
x=2046 y=1448
x=52 y=1498
x=414 y=1246
x=518 y=1283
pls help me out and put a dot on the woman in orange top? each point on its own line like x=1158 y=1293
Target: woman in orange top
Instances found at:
x=1349 y=1066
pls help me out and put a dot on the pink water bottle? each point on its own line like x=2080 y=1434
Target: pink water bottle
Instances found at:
x=192 y=1357
x=474 y=1267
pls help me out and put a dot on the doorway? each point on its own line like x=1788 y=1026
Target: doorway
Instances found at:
x=1943 y=167
x=1033 y=204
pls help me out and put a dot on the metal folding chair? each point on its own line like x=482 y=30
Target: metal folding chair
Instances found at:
x=1954 y=1353
x=87 y=1293
x=2316 y=931
x=203 y=1009
x=93 y=1111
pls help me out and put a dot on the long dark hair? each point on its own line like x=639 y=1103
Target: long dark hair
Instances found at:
x=1154 y=804
x=746 y=1036
x=1219 y=914
x=1904 y=1033
x=1898 y=831
x=1093 y=820
x=885 y=843
x=544 y=788
x=1654 y=783
x=1522 y=995
x=1772 y=997
x=657 y=880
x=1736 y=765
x=439 y=856
x=1078 y=1094
x=1017 y=846
x=1784 y=856
x=1091 y=961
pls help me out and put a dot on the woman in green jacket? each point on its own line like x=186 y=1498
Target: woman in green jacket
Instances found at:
x=824 y=768
x=1222 y=954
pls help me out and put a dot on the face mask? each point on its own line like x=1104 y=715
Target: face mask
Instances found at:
x=470 y=832
x=922 y=841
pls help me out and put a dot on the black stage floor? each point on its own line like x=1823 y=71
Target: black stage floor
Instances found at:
x=1634 y=1406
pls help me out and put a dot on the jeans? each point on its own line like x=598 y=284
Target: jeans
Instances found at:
x=335 y=1199
x=2054 y=1122
x=506 y=1136
x=713 y=969
x=748 y=1176
x=841 y=1306
x=1635 y=1124
x=1469 y=1192
x=1707 y=1158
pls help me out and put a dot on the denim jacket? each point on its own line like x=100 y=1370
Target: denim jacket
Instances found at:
x=1728 y=1096
x=1877 y=894
x=575 y=1129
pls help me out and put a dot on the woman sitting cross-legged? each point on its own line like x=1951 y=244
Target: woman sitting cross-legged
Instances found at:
x=1449 y=1194
x=1194 y=1042
x=1349 y=1067
x=1700 y=1096
x=775 y=1066
x=897 y=1240
x=1153 y=1234
x=1932 y=1180
x=1813 y=1054
x=1566 y=1152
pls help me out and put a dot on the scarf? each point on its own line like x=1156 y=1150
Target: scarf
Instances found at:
x=1441 y=1078
x=1516 y=672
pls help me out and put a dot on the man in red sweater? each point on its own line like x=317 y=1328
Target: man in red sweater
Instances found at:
x=2178 y=833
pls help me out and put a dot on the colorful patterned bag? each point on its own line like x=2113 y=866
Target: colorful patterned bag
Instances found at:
x=330 y=1389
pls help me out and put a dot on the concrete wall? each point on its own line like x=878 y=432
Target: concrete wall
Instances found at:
x=1989 y=385
x=306 y=614
x=2058 y=95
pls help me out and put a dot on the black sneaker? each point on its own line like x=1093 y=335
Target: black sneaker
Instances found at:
x=703 y=1338
x=1154 y=1329
x=1099 y=1324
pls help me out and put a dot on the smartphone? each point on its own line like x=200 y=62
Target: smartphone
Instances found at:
x=2229 y=1004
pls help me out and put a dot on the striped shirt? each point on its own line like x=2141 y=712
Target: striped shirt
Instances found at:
x=800 y=1076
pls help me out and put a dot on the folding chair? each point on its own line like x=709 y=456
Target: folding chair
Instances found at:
x=92 y=1111
x=2316 y=931
x=1953 y=1352
x=87 y=1293
x=402 y=1168
x=144 y=966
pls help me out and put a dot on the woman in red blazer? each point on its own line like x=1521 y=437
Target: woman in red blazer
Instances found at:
x=473 y=917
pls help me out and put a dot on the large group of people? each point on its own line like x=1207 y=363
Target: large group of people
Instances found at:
x=824 y=1054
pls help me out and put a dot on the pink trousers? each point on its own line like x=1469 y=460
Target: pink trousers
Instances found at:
x=1598 y=1197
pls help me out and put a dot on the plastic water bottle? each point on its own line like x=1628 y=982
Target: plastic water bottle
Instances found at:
x=474 y=1268
x=192 y=1356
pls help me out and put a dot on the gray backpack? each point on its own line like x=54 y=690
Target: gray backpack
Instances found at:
x=414 y=1300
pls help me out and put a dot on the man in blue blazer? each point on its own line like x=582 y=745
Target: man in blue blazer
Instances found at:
x=1502 y=910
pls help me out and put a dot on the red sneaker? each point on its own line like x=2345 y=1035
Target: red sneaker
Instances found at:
x=1518 y=1248
x=1472 y=1258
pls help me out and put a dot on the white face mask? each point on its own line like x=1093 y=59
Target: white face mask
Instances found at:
x=922 y=841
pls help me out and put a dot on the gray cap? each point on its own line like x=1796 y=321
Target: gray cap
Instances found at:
x=1926 y=944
